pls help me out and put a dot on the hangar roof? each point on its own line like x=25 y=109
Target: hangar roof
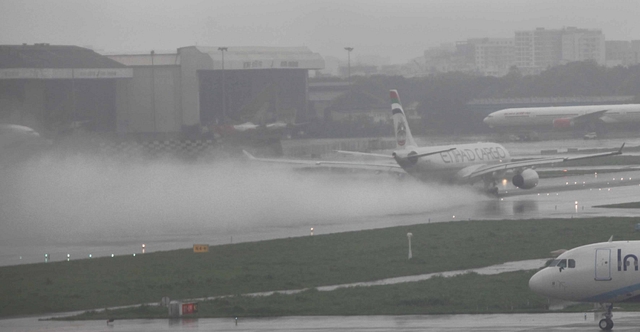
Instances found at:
x=252 y=57
x=52 y=56
x=147 y=59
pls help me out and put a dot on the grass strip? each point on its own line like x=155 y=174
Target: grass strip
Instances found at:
x=293 y=263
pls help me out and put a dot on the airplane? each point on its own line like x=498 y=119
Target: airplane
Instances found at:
x=18 y=142
x=456 y=163
x=604 y=273
x=564 y=117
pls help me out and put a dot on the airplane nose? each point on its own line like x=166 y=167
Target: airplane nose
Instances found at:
x=537 y=283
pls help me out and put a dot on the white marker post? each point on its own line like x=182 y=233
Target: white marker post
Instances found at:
x=409 y=235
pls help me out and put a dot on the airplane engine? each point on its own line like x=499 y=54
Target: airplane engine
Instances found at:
x=562 y=123
x=527 y=179
x=406 y=160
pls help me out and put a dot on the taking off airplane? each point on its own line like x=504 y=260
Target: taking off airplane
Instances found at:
x=604 y=273
x=455 y=163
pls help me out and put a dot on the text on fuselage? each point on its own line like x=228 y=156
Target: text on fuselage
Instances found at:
x=623 y=263
x=469 y=155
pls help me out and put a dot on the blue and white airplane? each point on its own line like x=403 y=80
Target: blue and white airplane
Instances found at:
x=604 y=273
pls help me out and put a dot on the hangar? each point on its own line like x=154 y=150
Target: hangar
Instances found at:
x=197 y=86
x=51 y=88
x=158 y=102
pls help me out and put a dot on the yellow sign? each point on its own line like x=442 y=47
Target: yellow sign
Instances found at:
x=200 y=248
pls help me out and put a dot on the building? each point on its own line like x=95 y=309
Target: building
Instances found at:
x=583 y=44
x=622 y=52
x=52 y=88
x=493 y=56
x=199 y=86
x=539 y=49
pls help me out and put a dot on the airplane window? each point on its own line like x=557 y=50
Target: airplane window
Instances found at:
x=572 y=263
x=562 y=263
x=554 y=262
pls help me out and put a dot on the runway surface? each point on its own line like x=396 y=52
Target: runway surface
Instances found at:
x=450 y=323
x=564 y=197
x=122 y=214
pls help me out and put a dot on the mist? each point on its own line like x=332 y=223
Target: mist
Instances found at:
x=67 y=199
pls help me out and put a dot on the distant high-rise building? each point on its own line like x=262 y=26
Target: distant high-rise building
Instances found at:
x=493 y=56
x=539 y=49
x=582 y=44
x=622 y=52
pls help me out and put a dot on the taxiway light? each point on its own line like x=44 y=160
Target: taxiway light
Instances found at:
x=68 y=256
x=504 y=182
x=454 y=217
x=134 y=255
x=90 y=255
x=46 y=258
x=112 y=255
x=311 y=230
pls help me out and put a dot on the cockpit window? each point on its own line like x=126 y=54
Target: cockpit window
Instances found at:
x=562 y=263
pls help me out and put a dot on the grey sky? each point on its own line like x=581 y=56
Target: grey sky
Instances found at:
x=400 y=29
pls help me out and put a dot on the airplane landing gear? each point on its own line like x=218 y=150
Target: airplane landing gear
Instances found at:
x=606 y=324
x=491 y=187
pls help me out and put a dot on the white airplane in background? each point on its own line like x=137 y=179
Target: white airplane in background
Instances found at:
x=563 y=117
x=18 y=142
x=604 y=273
x=455 y=163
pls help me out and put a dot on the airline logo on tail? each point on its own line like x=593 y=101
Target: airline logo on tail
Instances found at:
x=403 y=134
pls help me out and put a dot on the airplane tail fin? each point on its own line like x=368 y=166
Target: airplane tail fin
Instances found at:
x=404 y=138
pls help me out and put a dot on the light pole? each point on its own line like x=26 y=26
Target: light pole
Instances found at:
x=409 y=235
x=349 y=49
x=153 y=91
x=224 y=108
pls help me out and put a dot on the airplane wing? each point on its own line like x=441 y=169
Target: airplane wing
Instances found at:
x=387 y=167
x=589 y=116
x=355 y=153
x=488 y=169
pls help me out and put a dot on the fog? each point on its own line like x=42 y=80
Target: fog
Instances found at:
x=401 y=30
x=64 y=200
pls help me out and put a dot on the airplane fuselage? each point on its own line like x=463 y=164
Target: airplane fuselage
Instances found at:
x=450 y=166
x=602 y=273
x=545 y=116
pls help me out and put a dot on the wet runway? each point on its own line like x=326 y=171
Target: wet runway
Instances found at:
x=564 y=197
x=450 y=323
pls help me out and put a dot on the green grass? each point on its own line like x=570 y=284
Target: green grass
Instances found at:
x=469 y=294
x=292 y=263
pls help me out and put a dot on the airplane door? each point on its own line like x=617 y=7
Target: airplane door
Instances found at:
x=603 y=264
